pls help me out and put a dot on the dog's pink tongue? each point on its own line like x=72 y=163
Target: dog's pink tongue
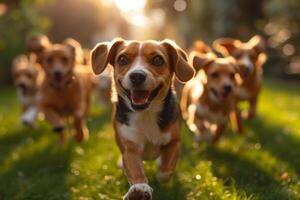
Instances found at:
x=140 y=96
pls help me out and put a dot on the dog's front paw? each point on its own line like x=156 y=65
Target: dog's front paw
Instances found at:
x=204 y=136
x=247 y=115
x=140 y=191
x=163 y=177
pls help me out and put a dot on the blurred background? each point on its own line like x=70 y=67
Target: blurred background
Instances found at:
x=92 y=21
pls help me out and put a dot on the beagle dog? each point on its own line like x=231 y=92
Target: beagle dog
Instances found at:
x=250 y=57
x=209 y=99
x=199 y=46
x=27 y=76
x=65 y=91
x=146 y=116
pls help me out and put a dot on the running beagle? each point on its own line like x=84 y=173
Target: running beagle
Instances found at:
x=250 y=57
x=146 y=116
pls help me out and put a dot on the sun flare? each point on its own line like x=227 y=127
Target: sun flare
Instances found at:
x=130 y=5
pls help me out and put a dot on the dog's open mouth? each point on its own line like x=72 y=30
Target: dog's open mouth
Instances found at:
x=222 y=96
x=139 y=97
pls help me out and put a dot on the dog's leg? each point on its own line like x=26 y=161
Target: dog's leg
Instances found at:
x=56 y=122
x=168 y=160
x=251 y=113
x=81 y=131
x=252 y=110
x=134 y=170
x=219 y=132
x=203 y=133
x=236 y=121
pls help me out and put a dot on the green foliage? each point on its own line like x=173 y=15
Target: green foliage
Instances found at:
x=21 y=20
x=33 y=166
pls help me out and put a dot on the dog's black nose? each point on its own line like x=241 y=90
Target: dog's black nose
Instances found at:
x=57 y=75
x=137 y=78
x=21 y=85
x=227 y=88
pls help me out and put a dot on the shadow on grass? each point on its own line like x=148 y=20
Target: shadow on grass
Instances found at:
x=278 y=142
x=246 y=175
x=11 y=140
x=39 y=174
x=249 y=176
x=96 y=121
x=174 y=190
x=41 y=167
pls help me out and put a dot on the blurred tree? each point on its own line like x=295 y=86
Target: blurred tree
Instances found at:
x=283 y=29
x=20 y=19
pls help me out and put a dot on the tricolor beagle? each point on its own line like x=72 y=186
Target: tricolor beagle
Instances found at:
x=146 y=116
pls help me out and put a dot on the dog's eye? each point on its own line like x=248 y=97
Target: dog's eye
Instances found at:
x=123 y=60
x=29 y=75
x=49 y=60
x=65 y=60
x=157 y=61
x=215 y=75
x=232 y=76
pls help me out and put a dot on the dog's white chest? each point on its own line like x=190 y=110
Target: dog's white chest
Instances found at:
x=143 y=129
x=26 y=100
x=210 y=116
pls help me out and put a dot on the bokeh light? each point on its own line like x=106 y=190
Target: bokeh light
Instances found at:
x=180 y=5
x=3 y=9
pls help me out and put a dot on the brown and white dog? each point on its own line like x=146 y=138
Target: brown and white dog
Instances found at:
x=28 y=77
x=146 y=116
x=250 y=57
x=209 y=99
x=65 y=91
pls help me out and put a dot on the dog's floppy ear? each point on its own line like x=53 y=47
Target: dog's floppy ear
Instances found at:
x=76 y=49
x=201 y=47
x=37 y=45
x=20 y=59
x=103 y=54
x=200 y=61
x=179 y=61
x=226 y=45
x=258 y=43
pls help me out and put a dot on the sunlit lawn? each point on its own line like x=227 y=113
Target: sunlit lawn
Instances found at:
x=263 y=164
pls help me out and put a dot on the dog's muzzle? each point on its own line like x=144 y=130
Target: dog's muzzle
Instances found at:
x=140 y=99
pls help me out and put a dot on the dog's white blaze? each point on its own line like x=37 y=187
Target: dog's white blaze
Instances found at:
x=247 y=62
x=143 y=187
x=137 y=66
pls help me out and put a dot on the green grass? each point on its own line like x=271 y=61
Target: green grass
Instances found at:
x=32 y=166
